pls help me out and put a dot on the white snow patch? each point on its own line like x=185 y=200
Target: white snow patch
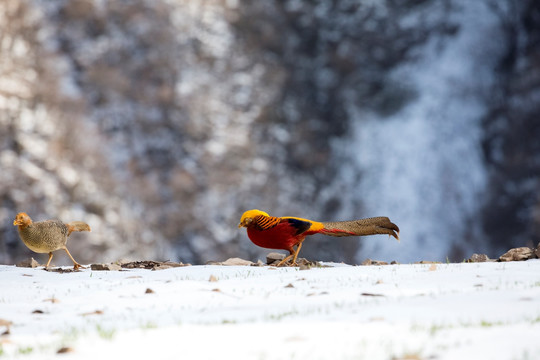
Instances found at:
x=444 y=311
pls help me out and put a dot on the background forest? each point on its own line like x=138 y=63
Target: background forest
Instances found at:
x=159 y=122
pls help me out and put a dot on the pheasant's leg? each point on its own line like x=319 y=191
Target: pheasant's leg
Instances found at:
x=293 y=254
x=285 y=260
x=48 y=262
x=76 y=265
x=296 y=252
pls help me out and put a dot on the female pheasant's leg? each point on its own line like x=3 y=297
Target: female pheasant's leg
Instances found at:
x=48 y=262
x=76 y=265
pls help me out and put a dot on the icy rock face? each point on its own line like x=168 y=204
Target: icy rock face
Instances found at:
x=160 y=122
x=54 y=160
x=510 y=215
x=423 y=166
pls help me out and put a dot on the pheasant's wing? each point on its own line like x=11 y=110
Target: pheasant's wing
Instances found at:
x=369 y=226
x=299 y=225
x=294 y=226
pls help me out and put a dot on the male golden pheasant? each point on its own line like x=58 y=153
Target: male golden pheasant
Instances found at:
x=47 y=236
x=286 y=232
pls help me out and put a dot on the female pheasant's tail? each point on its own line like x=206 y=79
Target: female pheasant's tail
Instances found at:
x=369 y=226
x=77 y=226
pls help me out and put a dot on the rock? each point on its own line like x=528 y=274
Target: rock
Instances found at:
x=52 y=300
x=123 y=262
x=537 y=251
x=105 y=267
x=62 y=270
x=305 y=264
x=258 y=263
x=28 y=263
x=7 y=324
x=374 y=262
x=232 y=262
x=151 y=265
x=237 y=262
x=518 y=254
x=273 y=257
x=213 y=278
x=478 y=258
x=149 y=291
x=427 y=262
x=95 y=312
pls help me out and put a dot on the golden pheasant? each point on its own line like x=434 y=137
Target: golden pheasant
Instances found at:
x=287 y=232
x=47 y=236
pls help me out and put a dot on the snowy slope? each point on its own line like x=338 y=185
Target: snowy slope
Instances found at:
x=447 y=311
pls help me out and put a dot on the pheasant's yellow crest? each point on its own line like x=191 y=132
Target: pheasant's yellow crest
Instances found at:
x=249 y=215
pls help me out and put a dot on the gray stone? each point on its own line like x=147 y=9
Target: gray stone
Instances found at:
x=273 y=257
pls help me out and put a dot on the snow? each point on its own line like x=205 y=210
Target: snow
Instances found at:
x=443 y=311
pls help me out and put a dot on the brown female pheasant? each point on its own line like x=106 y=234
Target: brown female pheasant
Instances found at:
x=47 y=236
x=286 y=232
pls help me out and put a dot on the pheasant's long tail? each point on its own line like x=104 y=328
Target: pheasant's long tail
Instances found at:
x=369 y=226
x=77 y=226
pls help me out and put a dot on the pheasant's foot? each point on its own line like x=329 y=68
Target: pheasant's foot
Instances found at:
x=78 y=266
x=285 y=262
x=282 y=262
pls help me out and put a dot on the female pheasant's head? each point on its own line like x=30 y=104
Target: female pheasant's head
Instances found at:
x=22 y=219
x=248 y=217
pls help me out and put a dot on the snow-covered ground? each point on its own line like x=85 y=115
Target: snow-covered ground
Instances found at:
x=420 y=311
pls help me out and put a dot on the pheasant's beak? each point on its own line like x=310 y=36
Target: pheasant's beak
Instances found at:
x=16 y=222
x=245 y=222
